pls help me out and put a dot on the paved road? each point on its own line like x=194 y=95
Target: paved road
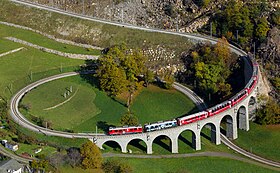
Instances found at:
x=22 y=121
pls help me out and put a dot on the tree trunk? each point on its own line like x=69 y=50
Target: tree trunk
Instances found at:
x=129 y=100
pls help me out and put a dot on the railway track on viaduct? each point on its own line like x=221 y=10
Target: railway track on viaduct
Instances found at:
x=21 y=120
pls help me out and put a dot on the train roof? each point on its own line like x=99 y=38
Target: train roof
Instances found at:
x=192 y=115
x=125 y=127
x=220 y=104
x=160 y=122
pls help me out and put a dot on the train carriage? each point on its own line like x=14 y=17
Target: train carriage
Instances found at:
x=219 y=108
x=160 y=125
x=125 y=130
x=192 y=118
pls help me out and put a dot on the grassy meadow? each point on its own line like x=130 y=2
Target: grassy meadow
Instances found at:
x=87 y=105
x=38 y=39
x=261 y=140
x=193 y=164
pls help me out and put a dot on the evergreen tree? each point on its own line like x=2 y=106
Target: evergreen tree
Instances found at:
x=262 y=28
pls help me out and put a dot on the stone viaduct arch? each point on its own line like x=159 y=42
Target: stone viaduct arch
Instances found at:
x=233 y=118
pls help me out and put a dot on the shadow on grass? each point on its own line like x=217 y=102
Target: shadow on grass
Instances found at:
x=103 y=125
x=91 y=66
x=111 y=145
x=206 y=136
x=159 y=141
x=120 y=102
x=137 y=144
x=87 y=72
x=183 y=139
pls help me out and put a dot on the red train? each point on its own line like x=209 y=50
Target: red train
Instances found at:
x=125 y=130
x=194 y=117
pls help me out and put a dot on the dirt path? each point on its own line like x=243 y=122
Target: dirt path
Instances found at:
x=11 y=51
x=62 y=103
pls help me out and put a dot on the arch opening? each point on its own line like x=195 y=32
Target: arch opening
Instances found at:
x=162 y=144
x=208 y=131
x=252 y=108
x=242 y=118
x=111 y=146
x=226 y=126
x=137 y=146
x=187 y=141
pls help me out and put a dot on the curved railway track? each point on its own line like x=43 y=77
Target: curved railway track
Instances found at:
x=198 y=101
x=14 y=156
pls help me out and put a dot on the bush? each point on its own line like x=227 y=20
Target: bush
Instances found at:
x=113 y=166
x=269 y=113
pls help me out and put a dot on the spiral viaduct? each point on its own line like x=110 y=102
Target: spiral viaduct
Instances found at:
x=236 y=117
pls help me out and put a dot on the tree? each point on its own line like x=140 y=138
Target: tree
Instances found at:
x=57 y=160
x=124 y=168
x=262 y=28
x=149 y=77
x=269 y=113
x=129 y=119
x=111 y=78
x=247 y=25
x=275 y=18
x=91 y=155
x=208 y=76
x=119 y=69
x=74 y=157
x=114 y=166
x=39 y=165
x=222 y=51
x=202 y=3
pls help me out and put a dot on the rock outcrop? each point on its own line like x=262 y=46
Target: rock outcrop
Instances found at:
x=270 y=57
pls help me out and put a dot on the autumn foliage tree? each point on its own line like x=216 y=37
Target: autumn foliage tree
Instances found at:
x=269 y=113
x=119 y=69
x=91 y=156
x=242 y=22
x=209 y=66
x=129 y=119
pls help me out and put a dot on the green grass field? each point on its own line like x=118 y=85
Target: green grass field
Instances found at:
x=30 y=149
x=88 y=105
x=194 y=164
x=261 y=140
x=183 y=165
x=16 y=68
x=54 y=141
x=155 y=104
x=35 y=38
x=6 y=45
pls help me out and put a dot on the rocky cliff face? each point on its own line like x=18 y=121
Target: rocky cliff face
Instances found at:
x=183 y=15
x=270 y=57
